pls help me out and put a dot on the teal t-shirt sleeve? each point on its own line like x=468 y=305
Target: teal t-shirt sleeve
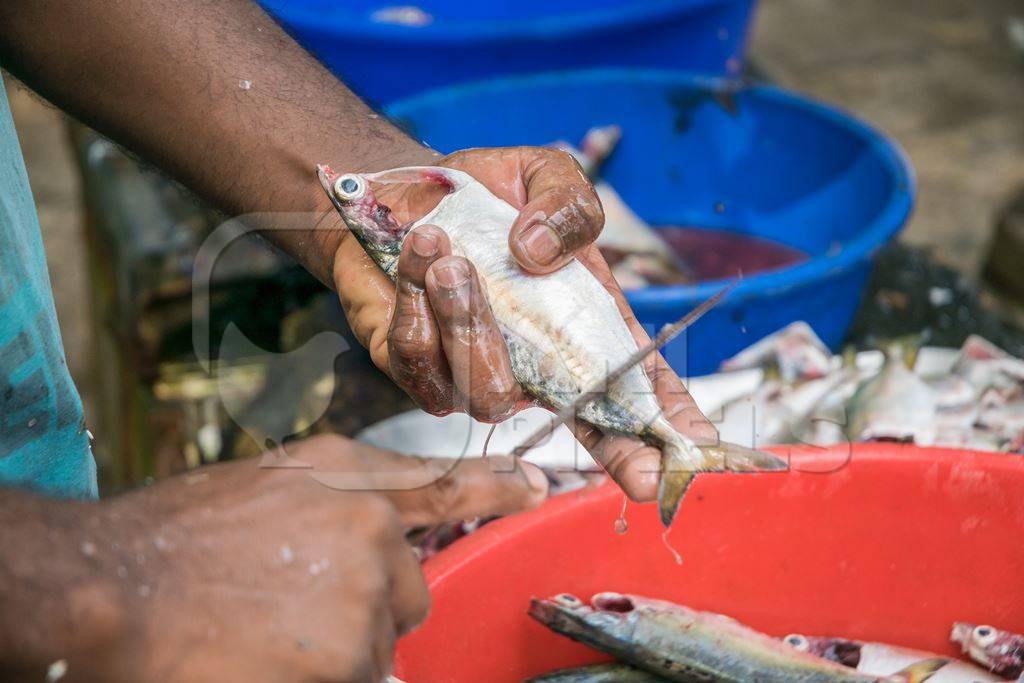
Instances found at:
x=44 y=444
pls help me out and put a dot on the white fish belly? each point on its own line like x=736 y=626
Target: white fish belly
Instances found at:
x=565 y=324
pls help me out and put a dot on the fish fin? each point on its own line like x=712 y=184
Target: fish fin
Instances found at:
x=449 y=177
x=678 y=468
x=918 y=672
x=735 y=458
x=677 y=473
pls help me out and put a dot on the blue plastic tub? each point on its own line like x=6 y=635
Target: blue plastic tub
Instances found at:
x=454 y=41
x=700 y=152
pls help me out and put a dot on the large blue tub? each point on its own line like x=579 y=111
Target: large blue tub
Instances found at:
x=451 y=41
x=699 y=152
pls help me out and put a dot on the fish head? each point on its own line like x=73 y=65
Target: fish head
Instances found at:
x=370 y=221
x=608 y=617
x=568 y=607
x=1001 y=651
x=839 y=650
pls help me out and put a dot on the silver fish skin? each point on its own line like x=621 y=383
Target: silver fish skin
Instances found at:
x=563 y=330
x=599 y=673
x=882 y=659
x=684 y=645
x=896 y=404
x=1000 y=651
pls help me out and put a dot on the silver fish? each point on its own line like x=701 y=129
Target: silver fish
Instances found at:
x=796 y=351
x=1000 y=651
x=681 y=644
x=882 y=659
x=896 y=404
x=599 y=673
x=563 y=330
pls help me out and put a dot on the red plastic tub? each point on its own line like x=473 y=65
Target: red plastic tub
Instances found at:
x=881 y=542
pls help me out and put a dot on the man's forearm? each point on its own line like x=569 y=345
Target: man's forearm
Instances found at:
x=213 y=92
x=59 y=597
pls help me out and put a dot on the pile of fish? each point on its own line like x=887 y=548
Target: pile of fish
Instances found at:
x=657 y=641
x=808 y=395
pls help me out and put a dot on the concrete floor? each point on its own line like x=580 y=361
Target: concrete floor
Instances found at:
x=937 y=75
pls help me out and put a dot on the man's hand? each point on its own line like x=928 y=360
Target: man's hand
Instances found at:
x=236 y=572
x=167 y=86
x=436 y=336
x=434 y=333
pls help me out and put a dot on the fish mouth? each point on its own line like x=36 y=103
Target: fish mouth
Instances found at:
x=961 y=633
x=567 y=607
x=327 y=178
x=562 y=612
x=551 y=610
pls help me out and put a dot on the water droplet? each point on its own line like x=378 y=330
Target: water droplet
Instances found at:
x=743 y=329
x=245 y=84
x=56 y=670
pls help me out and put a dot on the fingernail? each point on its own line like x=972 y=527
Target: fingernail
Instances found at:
x=424 y=244
x=452 y=275
x=541 y=244
x=537 y=479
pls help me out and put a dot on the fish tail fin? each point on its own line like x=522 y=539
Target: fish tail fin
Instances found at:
x=682 y=459
x=918 y=672
x=736 y=458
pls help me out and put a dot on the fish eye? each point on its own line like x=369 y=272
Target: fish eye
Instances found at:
x=797 y=641
x=984 y=635
x=568 y=600
x=349 y=187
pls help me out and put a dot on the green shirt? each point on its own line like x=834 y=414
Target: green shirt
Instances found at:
x=43 y=441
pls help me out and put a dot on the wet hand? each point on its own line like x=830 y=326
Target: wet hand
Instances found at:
x=634 y=465
x=434 y=333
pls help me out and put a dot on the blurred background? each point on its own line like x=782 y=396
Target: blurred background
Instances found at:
x=942 y=78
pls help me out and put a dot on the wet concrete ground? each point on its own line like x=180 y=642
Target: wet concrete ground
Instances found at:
x=937 y=75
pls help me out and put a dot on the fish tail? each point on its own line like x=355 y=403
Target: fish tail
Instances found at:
x=681 y=460
x=735 y=458
x=918 y=672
